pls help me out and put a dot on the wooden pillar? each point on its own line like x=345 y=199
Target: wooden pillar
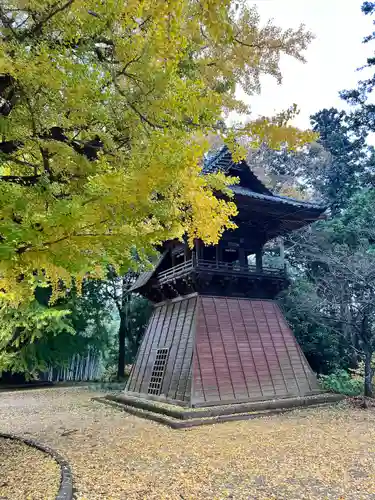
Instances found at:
x=217 y=256
x=186 y=249
x=259 y=260
x=282 y=252
x=196 y=244
x=242 y=257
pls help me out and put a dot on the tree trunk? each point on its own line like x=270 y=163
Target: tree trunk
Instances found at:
x=368 y=374
x=122 y=302
x=346 y=325
x=121 y=347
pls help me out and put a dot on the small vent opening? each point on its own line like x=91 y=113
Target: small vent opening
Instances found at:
x=158 y=370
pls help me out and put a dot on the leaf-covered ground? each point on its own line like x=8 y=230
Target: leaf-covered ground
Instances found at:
x=326 y=453
x=26 y=473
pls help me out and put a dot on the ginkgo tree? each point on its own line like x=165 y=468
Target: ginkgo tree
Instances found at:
x=104 y=111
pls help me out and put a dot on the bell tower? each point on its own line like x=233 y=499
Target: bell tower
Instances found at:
x=216 y=335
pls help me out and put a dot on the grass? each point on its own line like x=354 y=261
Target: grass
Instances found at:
x=321 y=453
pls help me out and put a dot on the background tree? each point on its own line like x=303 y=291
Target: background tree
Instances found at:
x=291 y=173
x=341 y=176
x=330 y=170
x=133 y=311
x=330 y=302
x=105 y=321
x=363 y=114
x=339 y=265
x=322 y=341
x=104 y=109
x=37 y=336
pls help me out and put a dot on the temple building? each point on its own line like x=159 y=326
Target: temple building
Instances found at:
x=217 y=336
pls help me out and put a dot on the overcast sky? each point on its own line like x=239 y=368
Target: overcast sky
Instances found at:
x=332 y=58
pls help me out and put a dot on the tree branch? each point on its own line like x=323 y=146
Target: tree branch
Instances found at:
x=20 y=162
x=144 y=118
x=259 y=46
x=37 y=28
x=23 y=180
x=7 y=22
x=46 y=164
x=48 y=244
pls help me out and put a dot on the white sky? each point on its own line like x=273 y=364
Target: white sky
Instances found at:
x=332 y=58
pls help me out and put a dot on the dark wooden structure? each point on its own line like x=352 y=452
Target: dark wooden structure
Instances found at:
x=216 y=335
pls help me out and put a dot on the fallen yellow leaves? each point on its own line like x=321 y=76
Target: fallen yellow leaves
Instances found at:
x=321 y=453
x=26 y=473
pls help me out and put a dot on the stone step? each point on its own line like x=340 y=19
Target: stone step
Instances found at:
x=183 y=413
x=207 y=416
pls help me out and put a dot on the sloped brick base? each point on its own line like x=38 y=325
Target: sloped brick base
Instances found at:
x=221 y=350
x=245 y=351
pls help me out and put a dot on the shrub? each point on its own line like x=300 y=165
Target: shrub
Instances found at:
x=109 y=374
x=343 y=383
x=108 y=386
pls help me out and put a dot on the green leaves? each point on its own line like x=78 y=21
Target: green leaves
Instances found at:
x=36 y=336
x=104 y=113
x=21 y=328
x=341 y=382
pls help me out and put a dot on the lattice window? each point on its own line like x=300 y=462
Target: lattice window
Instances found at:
x=158 y=370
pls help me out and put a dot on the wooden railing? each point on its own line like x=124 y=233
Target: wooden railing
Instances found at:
x=176 y=271
x=235 y=268
x=218 y=267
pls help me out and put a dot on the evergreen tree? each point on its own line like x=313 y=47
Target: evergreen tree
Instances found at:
x=363 y=115
x=340 y=177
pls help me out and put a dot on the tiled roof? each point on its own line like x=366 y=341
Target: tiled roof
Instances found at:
x=277 y=199
x=222 y=161
x=145 y=277
x=142 y=279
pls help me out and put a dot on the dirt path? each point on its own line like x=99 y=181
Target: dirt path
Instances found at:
x=315 y=453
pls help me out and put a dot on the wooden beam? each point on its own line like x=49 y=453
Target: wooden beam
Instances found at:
x=282 y=251
x=242 y=257
x=259 y=259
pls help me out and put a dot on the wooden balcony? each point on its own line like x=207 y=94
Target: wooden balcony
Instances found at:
x=176 y=272
x=219 y=268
